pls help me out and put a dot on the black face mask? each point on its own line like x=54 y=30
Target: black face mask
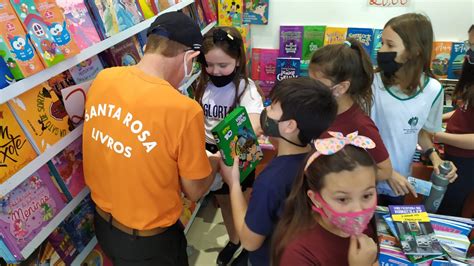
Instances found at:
x=270 y=128
x=221 y=81
x=386 y=62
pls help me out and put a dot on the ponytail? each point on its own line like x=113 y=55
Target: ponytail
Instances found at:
x=348 y=61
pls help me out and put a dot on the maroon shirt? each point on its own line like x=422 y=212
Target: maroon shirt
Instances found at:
x=354 y=119
x=462 y=122
x=319 y=247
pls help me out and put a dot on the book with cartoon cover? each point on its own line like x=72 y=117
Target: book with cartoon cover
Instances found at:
x=335 y=35
x=256 y=12
x=41 y=113
x=440 y=58
x=230 y=12
x=235 y=137
x=15 y=149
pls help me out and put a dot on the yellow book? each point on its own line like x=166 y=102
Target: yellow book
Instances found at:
x=334 y=35
x=43 y=115
x=230 y=12
x=15 y=149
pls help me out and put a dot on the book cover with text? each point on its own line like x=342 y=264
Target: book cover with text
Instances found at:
x=335 y=35
x=256 y=11
x=287 y=68
x=291 y=41
x=364 y=35
x=313 y=39
x=440 y=58
x=456 y=59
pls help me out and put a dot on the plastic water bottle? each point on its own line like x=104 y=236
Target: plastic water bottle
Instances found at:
x=440 y=185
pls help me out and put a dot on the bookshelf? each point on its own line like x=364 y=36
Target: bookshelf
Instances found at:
x=26 y=84
x=47 y=230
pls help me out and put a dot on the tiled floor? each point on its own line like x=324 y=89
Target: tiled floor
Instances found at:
x=207 y=235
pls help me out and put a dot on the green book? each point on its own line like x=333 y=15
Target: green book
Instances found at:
x=313 y=39
x=235 y=136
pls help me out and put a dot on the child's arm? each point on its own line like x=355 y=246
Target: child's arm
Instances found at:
x=463 y=141
x=248 y=239
x=255 y=120
x=447 y=116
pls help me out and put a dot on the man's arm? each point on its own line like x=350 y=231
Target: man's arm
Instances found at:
x=194 y=189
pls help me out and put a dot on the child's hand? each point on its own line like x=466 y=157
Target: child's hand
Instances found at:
x=400 y=185
x=452 y=175
x=230 y=174
x=362 y=251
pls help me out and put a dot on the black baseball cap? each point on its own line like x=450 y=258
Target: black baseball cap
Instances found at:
x=177 y=27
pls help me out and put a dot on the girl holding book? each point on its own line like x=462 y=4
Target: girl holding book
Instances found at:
x=408 y=100
x=326 y=220
x=224 y=85
x=347 y=70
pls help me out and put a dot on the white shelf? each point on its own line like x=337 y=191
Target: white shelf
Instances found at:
x=208 y=27
x=80 y=258
x=39 y=161
x=193 y=216
x=47 y=230
x=24 y=85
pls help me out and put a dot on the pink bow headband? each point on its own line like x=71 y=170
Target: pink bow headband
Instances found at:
x=332 y=145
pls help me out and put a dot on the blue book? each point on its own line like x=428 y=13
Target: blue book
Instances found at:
x=376 y=45
x=458 y=51
x=288 y=67
x=364 y=35
x=6 y=77
x=6 y=254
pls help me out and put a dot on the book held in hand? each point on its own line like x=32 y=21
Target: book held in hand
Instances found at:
x=235 y=137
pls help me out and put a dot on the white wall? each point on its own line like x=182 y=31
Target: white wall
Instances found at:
x=450 y=18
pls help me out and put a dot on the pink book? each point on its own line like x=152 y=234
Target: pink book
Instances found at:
x=29 y=208
x=268 y=58
x=68 y=164
x=79 y=22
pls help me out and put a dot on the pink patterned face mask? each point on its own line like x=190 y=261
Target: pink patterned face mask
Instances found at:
x=351 y=223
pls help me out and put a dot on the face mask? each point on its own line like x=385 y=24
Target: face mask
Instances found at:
x=351 y=223
x=221 y=81
x=386 y=62
x=187 y=75
x=270 y=128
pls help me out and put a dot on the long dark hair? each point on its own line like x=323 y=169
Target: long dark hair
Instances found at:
x=465 y=87
x=298 y=215
x=416 y=32
x=237 y=52
x=339 y=62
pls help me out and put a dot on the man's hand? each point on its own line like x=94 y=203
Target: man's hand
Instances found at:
x=230 y=174
x=362 y=251
x=400 y=185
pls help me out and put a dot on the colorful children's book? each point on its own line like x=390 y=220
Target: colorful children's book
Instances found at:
x=200 y=17
x=61 y=81
x=39 y=30
x=6 y=254
x=415 y=232
x=255 y=68
x=313 y=39
x=188 y=210
x=126 y=53
x=230 y=12
x=68 y=166
x=421 y=186
x=79 y=23
x=377 y=44
x=79 y=224
x=440 y=58
x=458 y=52
x=268 y=61
x=334 y=35
x=6 y=76
x=63 y=245
x=146 y=8
x=42 y=115
x=210 y=12
x=16 y=47
x=246 y=38
x=256 y=12
x=74 y=99
x=97 y=257
x=287 y=68
x=86 y=70
x=29 y=208
x=59 y=27
x=364 y=35
x=15 y=149
x=235 y=137
x=291 y=41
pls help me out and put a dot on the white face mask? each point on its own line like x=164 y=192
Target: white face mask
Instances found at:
x=187 y=75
